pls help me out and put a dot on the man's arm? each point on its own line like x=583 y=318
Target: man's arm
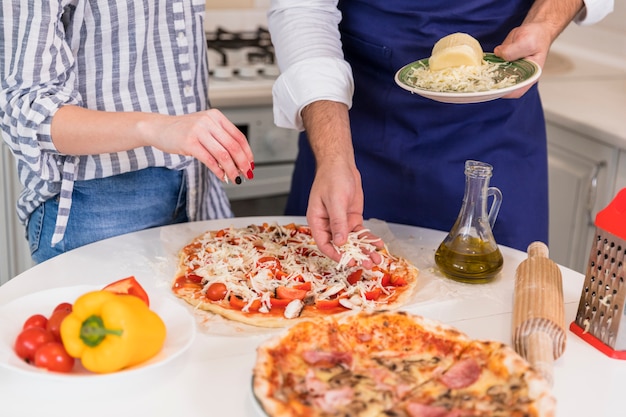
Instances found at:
x=314 y=93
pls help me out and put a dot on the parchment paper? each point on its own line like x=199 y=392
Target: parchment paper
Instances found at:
x=433 y=290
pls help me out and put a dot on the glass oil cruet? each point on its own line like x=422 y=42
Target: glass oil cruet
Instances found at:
x=469 y=252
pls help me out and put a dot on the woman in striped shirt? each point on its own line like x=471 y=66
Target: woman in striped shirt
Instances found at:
x=104 y=106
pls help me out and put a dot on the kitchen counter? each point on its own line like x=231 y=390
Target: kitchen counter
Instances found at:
x=586 y=92
x=243 y=93
x=213 y=376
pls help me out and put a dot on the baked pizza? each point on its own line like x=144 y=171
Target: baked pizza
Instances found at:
x=393 y=364
x=271 y=275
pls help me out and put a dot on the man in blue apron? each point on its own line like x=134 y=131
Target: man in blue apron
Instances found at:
x=410 y=151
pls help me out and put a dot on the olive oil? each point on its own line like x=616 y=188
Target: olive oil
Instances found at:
x=469 y=252
x=469 y=259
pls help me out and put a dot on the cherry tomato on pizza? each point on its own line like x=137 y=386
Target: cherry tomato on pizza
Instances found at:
x=355 y=276
x=327 y=304
x=239 y=304
x=290 y=293
x=216 y=291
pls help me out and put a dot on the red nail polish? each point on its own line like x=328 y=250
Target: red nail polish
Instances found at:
x=250 y=174
x=252 y=165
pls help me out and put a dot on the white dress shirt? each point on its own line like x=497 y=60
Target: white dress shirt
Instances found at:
x=115 y=56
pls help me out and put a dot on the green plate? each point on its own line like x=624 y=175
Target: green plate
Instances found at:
x=527 y=73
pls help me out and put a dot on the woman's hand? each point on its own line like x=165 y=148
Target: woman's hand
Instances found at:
x=211 y=138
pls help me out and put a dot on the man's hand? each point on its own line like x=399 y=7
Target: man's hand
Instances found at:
x=336 y=199
x=532 y=39
x=335 y=207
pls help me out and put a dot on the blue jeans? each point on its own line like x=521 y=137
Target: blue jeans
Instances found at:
x=107 y=207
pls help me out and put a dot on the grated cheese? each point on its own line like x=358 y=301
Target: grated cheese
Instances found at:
x=463 y=79
x=356 y=247
x=241 y=259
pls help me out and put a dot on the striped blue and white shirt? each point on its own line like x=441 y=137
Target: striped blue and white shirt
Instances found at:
x=113 y=55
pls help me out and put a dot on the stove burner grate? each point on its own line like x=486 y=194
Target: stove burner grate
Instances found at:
x=262 y=50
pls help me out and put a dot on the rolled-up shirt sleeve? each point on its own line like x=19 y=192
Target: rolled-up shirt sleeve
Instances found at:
x=306 y=37
x=36 y=81
x=594 y=11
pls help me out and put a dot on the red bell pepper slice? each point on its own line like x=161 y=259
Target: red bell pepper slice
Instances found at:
x=129 y=286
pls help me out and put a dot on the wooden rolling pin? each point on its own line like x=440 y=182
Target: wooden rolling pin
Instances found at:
x=539 y=332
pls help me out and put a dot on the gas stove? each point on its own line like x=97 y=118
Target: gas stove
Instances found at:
x=242 y=71
x=241 y=66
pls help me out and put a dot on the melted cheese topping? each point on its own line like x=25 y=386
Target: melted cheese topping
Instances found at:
x=395 y=364
x=463 y=79
x=253 y=262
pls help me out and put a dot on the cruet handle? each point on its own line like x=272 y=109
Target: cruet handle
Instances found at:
x=495 y=204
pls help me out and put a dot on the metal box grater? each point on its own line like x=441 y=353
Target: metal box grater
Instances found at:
x=601 y=319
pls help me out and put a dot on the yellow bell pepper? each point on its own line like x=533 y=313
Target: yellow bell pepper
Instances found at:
x=109 y=331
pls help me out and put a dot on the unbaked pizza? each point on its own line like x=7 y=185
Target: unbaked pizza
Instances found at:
x=273 y=275
x=393 y=364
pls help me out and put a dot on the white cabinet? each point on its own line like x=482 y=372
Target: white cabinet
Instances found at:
x=621 y=172
x=14 y=252
x=582 y=173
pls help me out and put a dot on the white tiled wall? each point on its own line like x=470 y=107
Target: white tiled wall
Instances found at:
x=236 y=18
x=604 y=41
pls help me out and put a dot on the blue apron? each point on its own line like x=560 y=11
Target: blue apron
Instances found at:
x=411 y=150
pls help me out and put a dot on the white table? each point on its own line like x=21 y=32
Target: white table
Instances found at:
x=213 y=377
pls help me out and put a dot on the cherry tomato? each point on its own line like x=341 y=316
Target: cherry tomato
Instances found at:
x=216 y=291
x=29 y=340
x=239 y=303
x=36 y=320
x=128 y=286
x=279 y=302
x=355 y=276
x=53 y=357
x=386 y=280
x=63 y=307
x=327 y=304
x=269 y=262
x=194 y=278
x=373 y=294
x=304 y=286
x=397 y=281
x=290 y=293
x=54 y=323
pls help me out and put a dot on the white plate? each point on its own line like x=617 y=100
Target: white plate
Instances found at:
x=181 y=331
x=527 y=73
x=256 y=404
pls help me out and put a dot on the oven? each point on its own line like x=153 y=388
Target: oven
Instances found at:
x=241 y=74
